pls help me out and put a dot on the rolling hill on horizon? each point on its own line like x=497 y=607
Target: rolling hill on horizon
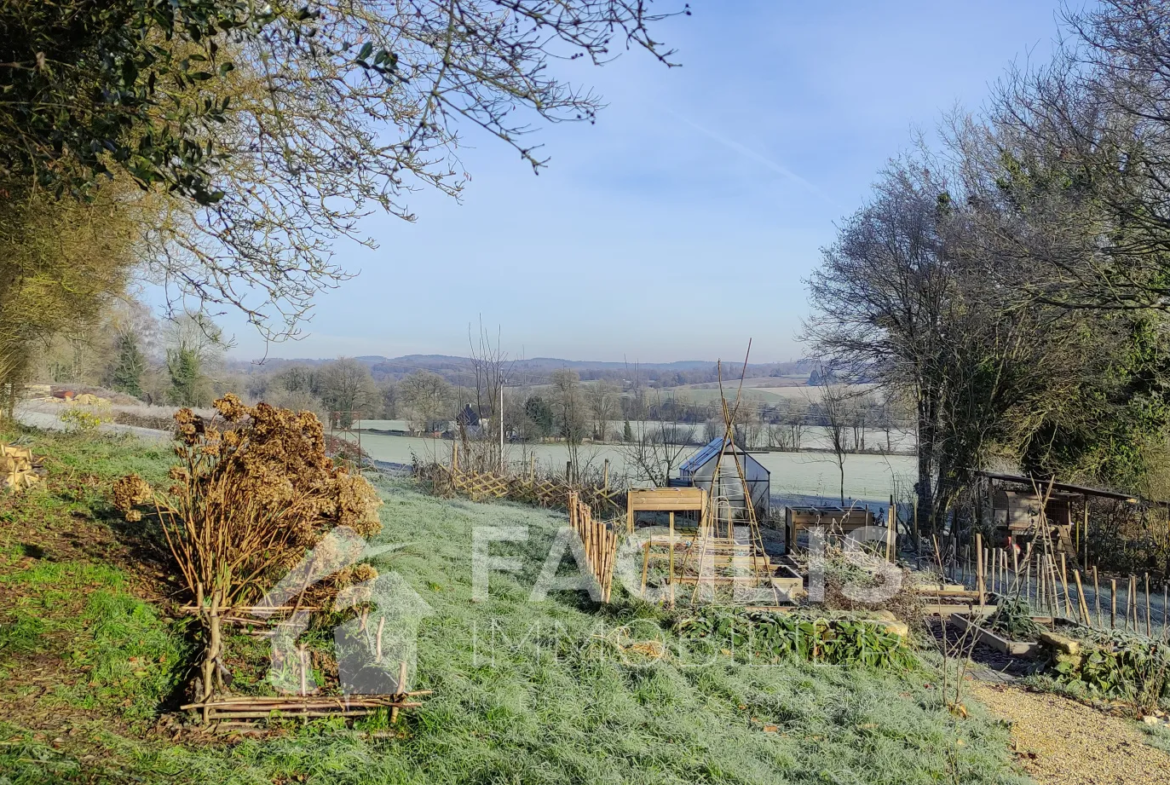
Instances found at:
x=460 y=370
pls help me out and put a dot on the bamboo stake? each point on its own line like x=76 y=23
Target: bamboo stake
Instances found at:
x=1097 y=596
x=1085 y=534
x=1128 y=598
x=1056 y=590
x=1133 y=592
x=1068 y=606
x=1149 y=625
x=646 y=564
x=1084 y=607
x=1041 y=600
x=401 y=689
x=1165 y=603
x=938 y=554
x=1113 y=605
x=672 y=559
x=916 y=545
x=979 y=579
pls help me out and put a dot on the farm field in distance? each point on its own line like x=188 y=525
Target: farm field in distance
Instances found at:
x=795 y=475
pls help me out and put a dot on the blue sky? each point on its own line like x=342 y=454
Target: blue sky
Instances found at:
x=684 y=221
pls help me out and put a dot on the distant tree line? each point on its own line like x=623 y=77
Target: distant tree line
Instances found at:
x=460 y=371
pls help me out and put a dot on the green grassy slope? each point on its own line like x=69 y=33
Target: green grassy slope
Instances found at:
x=524 y=692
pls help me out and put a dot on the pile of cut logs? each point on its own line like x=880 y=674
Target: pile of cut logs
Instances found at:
x=18 y=468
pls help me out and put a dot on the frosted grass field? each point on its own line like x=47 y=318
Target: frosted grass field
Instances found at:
x=868 y=477
x=812 y=437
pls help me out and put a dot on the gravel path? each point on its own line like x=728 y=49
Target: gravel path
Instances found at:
x=1062 y=742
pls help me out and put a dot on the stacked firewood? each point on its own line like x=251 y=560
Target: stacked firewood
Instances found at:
x=18 y=468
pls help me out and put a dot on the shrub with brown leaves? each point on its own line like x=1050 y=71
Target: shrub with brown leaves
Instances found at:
x=251 y=494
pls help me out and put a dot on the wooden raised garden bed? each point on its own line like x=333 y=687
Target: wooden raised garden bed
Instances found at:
x=992 y=639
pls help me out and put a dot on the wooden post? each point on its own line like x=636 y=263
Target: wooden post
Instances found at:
x=646 y=565
x=1068 y=606
x=1040 y=582
x=1133 y=592
x=1045 y=586
x=1149 y=625
x=605 y=476
x=1097 y=595
x=569 y=471
x=1165 y=605
x=501 y=428
x=979 y=567
x=1128 y=598
x=1057 y=609
x=1084 y=606
x=1085 y=535
x=672 y=558
x=916 y=526
x=1066 y=611
x=891 y=530
x=532 y=467
x=454 y=457
x=1137 y=625
x=1113 y=605
x=401 y=689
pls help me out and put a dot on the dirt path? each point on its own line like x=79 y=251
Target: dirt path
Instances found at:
x=1062 y=742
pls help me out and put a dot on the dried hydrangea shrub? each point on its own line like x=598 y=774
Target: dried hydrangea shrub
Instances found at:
x=249 y=497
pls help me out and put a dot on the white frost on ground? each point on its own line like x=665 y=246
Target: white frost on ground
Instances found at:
x=45 y=414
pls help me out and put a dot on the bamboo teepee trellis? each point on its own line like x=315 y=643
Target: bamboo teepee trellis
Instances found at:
x=715 y=543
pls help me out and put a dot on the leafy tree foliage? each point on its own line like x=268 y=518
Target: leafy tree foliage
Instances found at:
x=89 y=87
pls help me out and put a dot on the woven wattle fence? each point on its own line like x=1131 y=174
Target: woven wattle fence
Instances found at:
x=527 y=488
